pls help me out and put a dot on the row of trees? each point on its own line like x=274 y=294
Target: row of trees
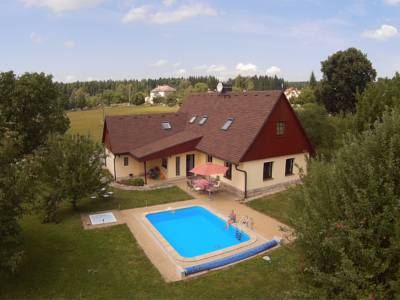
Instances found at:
x=40 y=166
x=93 y=93
x=347 y=223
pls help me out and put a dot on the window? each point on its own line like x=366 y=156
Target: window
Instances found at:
x=227 y=124
x=228 y=174
x=166 y=125
x=126 y=161
x=267 y=173
x=280 y=128
x=192 y=119
x=203 y=120
x=209 y=158
x=164 y=163
x=289 y=166
x=178 y=166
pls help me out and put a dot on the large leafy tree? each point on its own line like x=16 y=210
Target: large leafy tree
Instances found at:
x=16 y=189
x=69 y=168
x=31 y=107
x=345 y=74
x=378 y=97
x=319 y=127
x=348 y=222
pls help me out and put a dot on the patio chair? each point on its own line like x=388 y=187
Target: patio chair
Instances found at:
x=189 y=185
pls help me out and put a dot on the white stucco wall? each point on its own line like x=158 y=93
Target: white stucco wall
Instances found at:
x=255 y=170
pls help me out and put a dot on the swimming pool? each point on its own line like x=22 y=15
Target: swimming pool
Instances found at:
x=195 y=231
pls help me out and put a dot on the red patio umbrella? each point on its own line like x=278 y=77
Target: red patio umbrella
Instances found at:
x=209 y=169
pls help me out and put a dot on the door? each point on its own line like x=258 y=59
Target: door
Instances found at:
x=189 y=164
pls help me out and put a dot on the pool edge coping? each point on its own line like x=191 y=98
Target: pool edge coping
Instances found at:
x=171 y=250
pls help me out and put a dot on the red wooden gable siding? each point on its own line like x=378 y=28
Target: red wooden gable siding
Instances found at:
x=268 y=144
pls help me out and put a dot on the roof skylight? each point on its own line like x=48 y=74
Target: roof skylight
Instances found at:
x=203 y=120
x=192 y=119
x=166 y=125
x=227 y=124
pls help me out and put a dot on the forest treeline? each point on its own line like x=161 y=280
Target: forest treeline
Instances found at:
x=93 y=93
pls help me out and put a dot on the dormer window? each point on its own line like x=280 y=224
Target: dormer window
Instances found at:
x=192 y=119
x=203 y=120
x=227 y=124
x=166 y=125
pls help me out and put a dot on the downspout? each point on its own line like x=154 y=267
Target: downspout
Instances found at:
x=145 y=173
x=245 y=179
x=115 y=172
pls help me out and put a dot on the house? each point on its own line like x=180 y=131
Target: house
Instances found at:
x=256 y=135
x=160 y=91
x=292 y=92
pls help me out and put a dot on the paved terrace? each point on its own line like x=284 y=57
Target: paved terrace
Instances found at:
x=264 y=227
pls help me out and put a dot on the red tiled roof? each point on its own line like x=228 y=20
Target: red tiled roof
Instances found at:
x=133 y=131
x=249 y=110
x=142 y=135
x=165 y=143
x=163 y=88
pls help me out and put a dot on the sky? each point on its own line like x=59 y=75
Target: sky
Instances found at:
x=133 y=39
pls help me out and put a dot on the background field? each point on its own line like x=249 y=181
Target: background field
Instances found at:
x=91 y=121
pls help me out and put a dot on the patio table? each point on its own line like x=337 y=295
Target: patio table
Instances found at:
x=201 y=183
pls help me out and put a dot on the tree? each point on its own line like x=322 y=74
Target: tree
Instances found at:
x=313 y=80
x=70 y=168
x=376 y=99
x=345 y=74
x=82 y=168
x=32 y=108
x=139 y=99
x=171 y=99
x=348 y=224
x=200 y=87
x=319 y=128
x=79 y=98
x=16 y=188
x=243 y=84
x=307 y=96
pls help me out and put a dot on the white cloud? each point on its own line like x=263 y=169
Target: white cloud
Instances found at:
x=147 y=14
x=169 y=2
x=392 y=2
x=59 y=6
x=246 y=68
x=69 y=44
x=160 y=63
x=35 y=38
x=274 y=70
x=382 y=33
x=137 y=14
x=70 y=78
x=211 y=68
x=177 y=64
x=181 y=71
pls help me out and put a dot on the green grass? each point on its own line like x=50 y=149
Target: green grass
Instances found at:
x=279 y=206
x=64 y=261
x=91 y=121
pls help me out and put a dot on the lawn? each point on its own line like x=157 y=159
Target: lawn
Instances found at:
x=91 y=121
x=279 y=206
x=64 y=261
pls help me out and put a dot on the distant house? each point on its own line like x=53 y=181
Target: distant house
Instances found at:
x=292 y=92
x=159 y=91
x=255 y=134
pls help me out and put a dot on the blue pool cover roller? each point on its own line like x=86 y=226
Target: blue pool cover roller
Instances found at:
x=230 y=259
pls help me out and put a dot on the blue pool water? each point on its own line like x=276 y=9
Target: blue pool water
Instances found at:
x=194 y=231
